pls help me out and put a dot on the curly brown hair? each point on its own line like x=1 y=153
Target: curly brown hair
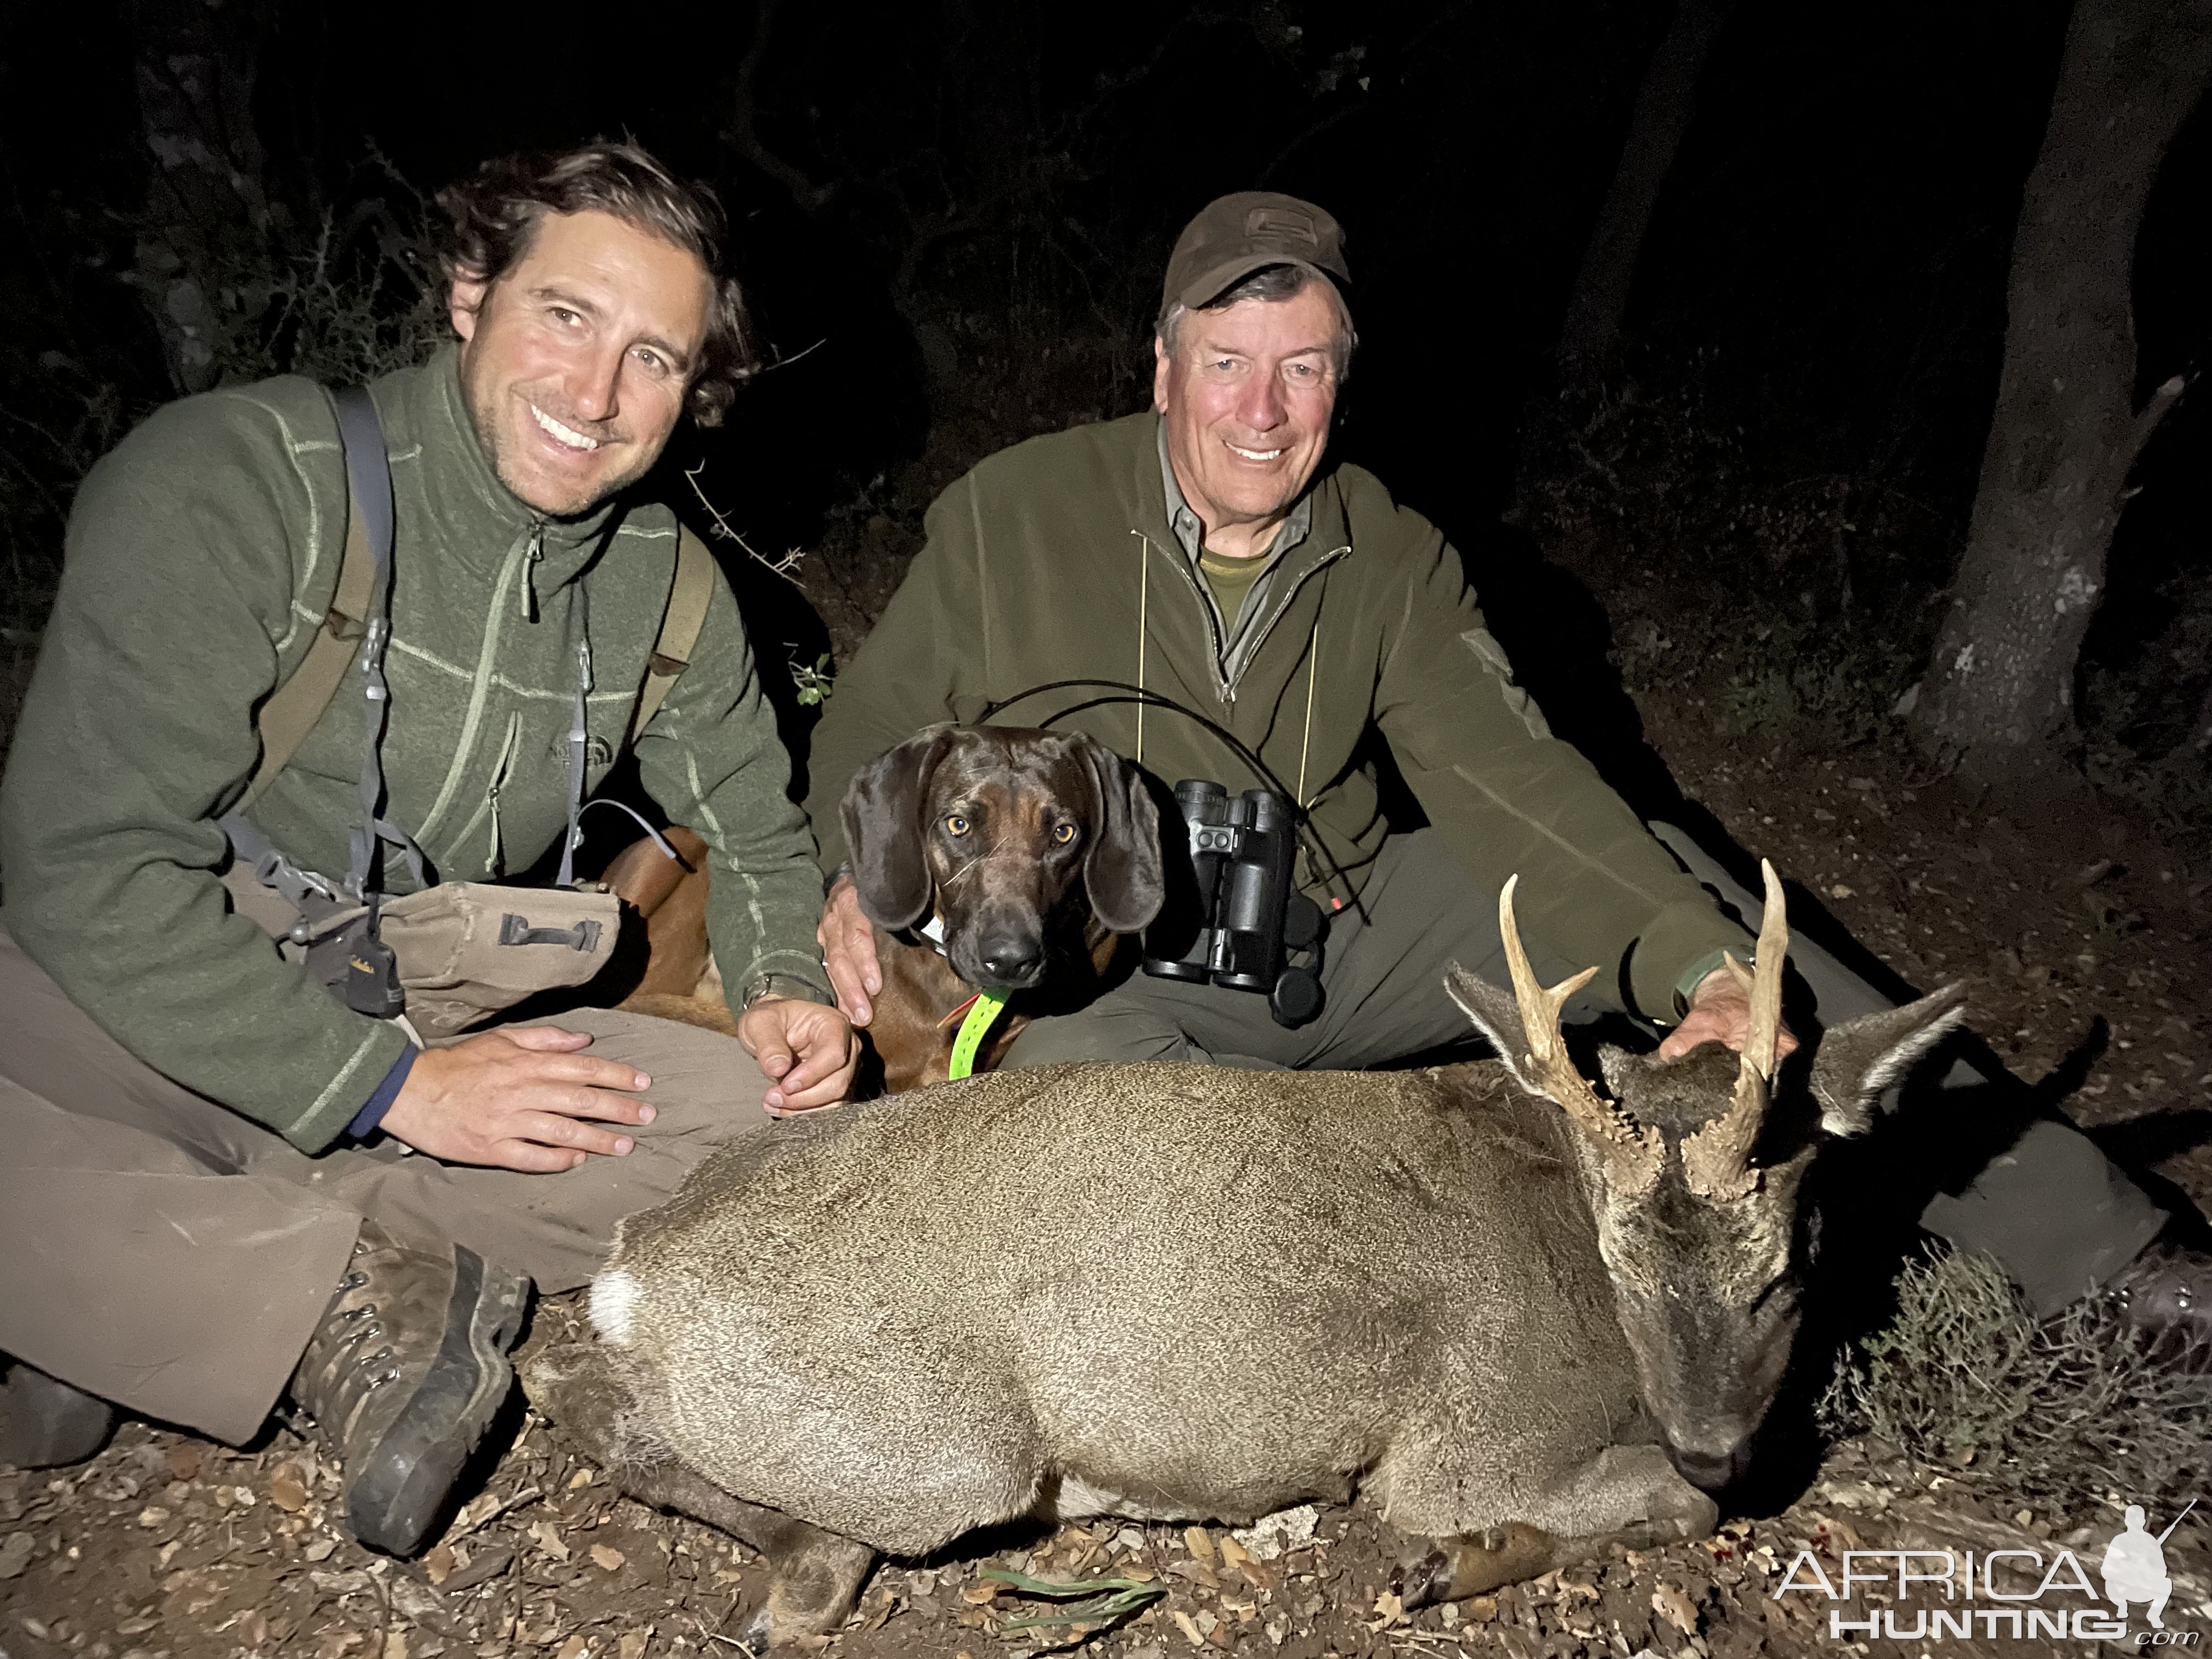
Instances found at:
x=496 y=215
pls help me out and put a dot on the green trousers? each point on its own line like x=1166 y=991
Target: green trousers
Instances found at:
x=2037 y=1195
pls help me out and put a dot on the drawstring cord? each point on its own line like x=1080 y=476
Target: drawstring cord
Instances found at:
x=1305 y=741
x=1144 y=597
x=579 y=743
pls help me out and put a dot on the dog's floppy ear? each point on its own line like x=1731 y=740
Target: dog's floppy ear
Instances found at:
x=1122 y=869
x=882 y=815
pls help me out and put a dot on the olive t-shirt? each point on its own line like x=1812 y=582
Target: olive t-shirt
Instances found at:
x=1231 y=580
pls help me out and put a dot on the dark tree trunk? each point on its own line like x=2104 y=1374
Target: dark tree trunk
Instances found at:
x=204 y=248
x=1999 y=693
x=1665 y=104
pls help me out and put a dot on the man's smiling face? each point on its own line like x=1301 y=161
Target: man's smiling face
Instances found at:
x=1247 y=395
x=575 y=363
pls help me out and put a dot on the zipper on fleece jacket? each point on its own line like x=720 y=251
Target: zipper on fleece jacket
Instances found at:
x=495 y=857
x=532 y=559
x=1225 y=688
x=1284 y=604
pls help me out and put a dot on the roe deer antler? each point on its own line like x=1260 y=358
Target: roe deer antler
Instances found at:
x=1632 y=1151
x=1716 y=1160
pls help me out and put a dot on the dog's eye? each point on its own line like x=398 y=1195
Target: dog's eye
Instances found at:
x=956 y=825
x=1065 y=835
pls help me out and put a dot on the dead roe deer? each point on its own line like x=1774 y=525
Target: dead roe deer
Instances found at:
x=1528 y=1317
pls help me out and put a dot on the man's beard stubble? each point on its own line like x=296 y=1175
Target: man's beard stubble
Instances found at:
x=483 y=407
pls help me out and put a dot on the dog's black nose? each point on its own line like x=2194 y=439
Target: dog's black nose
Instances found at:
x=1012 y=962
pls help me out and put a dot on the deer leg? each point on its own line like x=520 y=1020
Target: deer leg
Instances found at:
x=1447 y=1569
x=816 y=1575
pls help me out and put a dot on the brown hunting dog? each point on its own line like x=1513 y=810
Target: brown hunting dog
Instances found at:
x=1030 y=854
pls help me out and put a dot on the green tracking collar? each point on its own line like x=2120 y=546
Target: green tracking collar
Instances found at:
x=983 y=1012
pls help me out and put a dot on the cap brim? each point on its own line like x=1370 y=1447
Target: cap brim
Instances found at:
x=1215 y=281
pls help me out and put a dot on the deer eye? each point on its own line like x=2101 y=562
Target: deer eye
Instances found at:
x=955 y=824
x=1063 y=836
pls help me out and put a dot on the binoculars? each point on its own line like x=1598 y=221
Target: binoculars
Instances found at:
x=1250 y=916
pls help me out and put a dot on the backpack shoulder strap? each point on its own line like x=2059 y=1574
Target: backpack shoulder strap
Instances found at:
x=290 y=712
x=688 y=592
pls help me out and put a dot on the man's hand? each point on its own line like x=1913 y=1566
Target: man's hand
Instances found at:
x=848 y=949
x=808 y=1051
x=517 y=1099
x=1719 y=1012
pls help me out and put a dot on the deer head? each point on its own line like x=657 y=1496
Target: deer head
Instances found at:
x=1694 y=1172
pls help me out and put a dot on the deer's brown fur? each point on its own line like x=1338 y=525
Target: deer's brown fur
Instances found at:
x=1182 y=1291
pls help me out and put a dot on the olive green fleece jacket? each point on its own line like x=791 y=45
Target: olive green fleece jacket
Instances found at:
x=1053 y=560
x=202 y=556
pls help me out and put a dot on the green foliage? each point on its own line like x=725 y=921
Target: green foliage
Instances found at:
x=815 y=683
x=2061 y=1412
x=1092 y=1603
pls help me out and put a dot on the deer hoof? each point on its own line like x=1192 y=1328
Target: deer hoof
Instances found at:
x=1473 y=1563
x=754 y=1636
x=1415 y=1583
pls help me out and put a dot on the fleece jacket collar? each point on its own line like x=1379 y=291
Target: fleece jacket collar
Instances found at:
x=1325 y=536
x=479 y=519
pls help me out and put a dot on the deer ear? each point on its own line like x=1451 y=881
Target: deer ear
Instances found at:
x=1122 y=870
x=884 y=832
x=1862 y=1057
x=1497 y=1015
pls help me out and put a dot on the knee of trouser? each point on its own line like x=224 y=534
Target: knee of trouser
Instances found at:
x=1076 y=1036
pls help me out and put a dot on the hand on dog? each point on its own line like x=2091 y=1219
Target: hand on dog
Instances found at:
x=517 y=1099
x=808 y=1051
x=848 y=949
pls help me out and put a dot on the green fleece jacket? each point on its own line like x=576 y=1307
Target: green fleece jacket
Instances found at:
x=1054 y=561
x=202 y=556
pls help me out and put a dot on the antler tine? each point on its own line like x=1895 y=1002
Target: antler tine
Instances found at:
x=1634 y=1150
x=1716 y=1160
x=1766 y=985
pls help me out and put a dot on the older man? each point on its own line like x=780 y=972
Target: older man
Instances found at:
x=1204 y=553
x=205 y=1199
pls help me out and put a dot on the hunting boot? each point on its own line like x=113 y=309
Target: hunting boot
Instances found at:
x=403 y=1375
x=44 y=1422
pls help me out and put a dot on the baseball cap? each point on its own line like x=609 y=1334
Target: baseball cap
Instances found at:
x=1236 y=235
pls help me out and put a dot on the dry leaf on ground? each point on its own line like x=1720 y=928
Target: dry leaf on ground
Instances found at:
x=1675 y=1608
x=288 y=1490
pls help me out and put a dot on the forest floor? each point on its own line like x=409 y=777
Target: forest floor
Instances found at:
x=166 y=1547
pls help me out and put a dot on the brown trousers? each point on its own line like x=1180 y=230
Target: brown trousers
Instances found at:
x=163 y=1252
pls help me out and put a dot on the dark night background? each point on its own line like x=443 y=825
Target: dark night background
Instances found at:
x=1719 y=551
x=966 y=205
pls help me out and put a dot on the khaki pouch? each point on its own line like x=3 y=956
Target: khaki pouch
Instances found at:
x=466 y=950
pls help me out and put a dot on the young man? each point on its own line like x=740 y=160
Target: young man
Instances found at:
x=206 y=1197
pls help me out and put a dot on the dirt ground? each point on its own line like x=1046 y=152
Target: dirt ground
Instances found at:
x=166 y=1547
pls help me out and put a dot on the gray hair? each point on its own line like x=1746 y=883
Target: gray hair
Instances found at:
x=1276 y=283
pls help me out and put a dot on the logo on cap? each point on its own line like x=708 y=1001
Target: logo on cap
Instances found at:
x=1281 y=221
